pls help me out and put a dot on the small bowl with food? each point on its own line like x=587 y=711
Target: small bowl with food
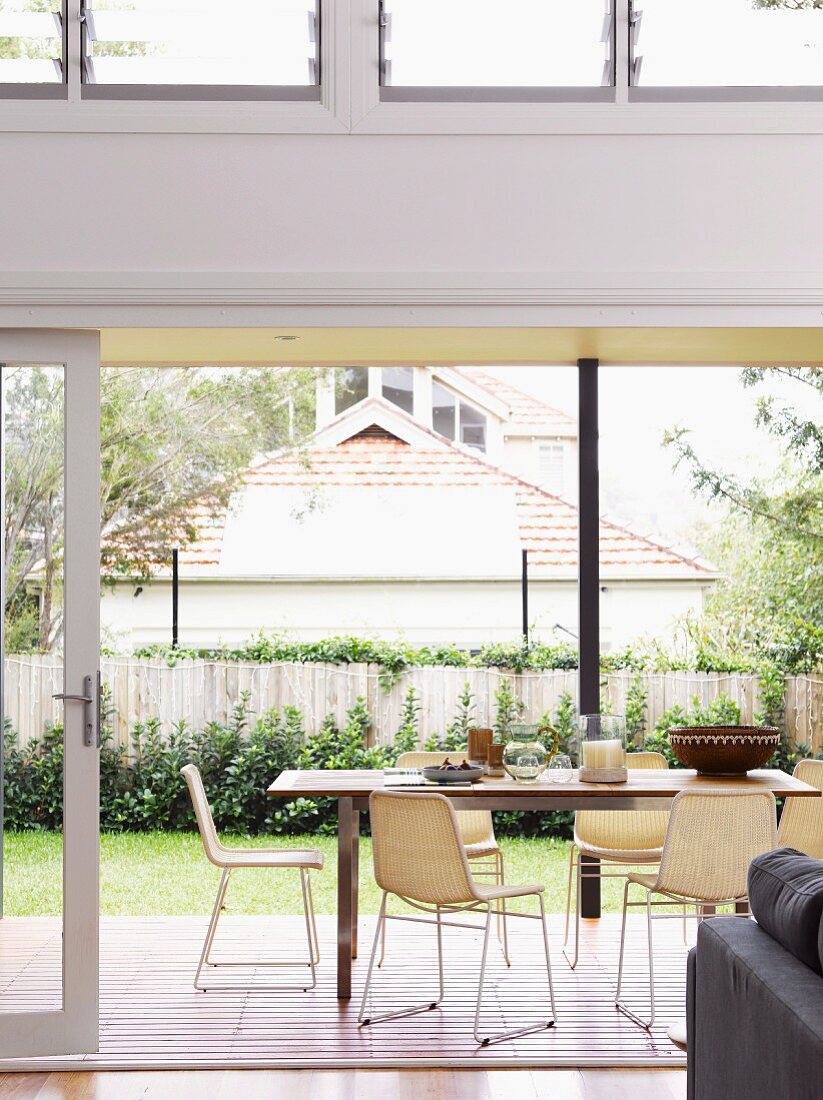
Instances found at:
x=447 y=772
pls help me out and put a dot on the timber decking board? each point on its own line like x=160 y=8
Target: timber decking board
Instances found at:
x=151 y=1015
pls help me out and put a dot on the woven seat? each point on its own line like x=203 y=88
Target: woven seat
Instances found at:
x=231 y=859
x=617 y=837
x=419 y=858
x=712 y=837
x=801 y=824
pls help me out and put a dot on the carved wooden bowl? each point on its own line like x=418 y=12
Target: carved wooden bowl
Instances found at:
x=723 y=750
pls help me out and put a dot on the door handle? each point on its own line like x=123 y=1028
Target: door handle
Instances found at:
x=91 y=700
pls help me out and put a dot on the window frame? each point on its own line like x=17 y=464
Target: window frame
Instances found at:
x=350 y=103
x=710 y=93
x=401 y=93
x=56 y=90
x=199 y=92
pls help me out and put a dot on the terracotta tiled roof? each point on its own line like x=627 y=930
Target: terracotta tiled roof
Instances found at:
x=525 y=412
x=548 y=525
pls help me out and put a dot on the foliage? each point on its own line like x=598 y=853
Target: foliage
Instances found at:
x=768 y=606
x=565 y=722
x=635 y=708
x=174 y=444
x=237 y=760
x=457 y=731
x=721 y=711
x=408 y=736
x=508 y=709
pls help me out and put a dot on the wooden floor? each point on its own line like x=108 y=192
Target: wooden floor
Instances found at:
x=151 y=1017
x=413 y=1084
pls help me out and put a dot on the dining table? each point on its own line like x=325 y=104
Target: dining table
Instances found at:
x=652 y=789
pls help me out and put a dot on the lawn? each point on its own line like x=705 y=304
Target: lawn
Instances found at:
x=168 y=874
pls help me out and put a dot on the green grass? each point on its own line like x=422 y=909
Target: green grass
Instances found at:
x=167 y=874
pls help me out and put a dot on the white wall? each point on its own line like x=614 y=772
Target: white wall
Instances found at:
x=590 y=205
x=467 y=613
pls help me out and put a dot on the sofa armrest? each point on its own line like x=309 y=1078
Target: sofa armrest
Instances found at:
x=755 y=1017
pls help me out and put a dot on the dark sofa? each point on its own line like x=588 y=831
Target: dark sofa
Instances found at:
x=755 y=990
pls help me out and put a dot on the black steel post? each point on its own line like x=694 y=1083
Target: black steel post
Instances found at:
x=588 y=581
x=175 y=596
x=524 y=594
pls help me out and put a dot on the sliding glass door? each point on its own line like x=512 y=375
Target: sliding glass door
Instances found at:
x=50 y=577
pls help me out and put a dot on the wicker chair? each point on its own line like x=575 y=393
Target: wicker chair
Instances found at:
x=230 y=859
x=419 y=858
x=477 y=834
x=801 y=823
x=712 y=837
x=617 y=837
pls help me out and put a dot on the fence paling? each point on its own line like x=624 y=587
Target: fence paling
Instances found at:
x=207 y=691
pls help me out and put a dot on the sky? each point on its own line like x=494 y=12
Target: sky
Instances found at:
x=637 y=405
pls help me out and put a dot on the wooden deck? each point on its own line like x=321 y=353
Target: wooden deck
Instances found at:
x=152 y=1017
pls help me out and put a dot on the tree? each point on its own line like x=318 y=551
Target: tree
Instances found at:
x=770 y=542
x=793 y=5
x=175 y=444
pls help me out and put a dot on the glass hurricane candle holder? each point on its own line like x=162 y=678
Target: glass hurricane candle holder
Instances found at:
x=602 y=748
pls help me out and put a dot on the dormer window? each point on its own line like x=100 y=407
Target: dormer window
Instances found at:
x=444 y=411
x=457 y=419
x=398 y=387
x=472 y=427
x=351 y=384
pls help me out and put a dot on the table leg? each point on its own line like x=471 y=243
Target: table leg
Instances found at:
x=345 y=895
x=355 y=878
x=590 y=887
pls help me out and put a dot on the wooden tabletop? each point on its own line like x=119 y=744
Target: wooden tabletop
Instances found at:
x=642 y=783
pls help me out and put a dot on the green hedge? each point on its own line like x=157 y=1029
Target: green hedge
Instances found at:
x=239 y=759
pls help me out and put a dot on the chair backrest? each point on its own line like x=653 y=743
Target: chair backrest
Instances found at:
x=475 y=825
x=625 y=830
x=801 y=823
x=202 y=811
x=417 y=849
x=713 y=836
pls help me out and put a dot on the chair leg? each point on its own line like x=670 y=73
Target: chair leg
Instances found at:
x=514 y=1033
x=619 y=1004
x=426 y=1006
x=382 y=945
x=311 y=936
x=308 y=912
x=622 y=943
x=502 y=922
x=316 y=955
x=578 y=888
x=215 y=916
x=572 y=850
x=548 y=958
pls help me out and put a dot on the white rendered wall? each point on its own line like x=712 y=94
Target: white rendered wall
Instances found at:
x=589 y=205
x=468 y=613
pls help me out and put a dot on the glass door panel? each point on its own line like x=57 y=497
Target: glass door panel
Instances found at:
x=50 y=635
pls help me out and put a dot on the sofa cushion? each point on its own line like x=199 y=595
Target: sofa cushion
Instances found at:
x=786 y=899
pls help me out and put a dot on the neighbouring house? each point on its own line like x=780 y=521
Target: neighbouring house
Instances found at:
x=401 y=523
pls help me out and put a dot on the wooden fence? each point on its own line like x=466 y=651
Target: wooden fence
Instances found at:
x=205 y=691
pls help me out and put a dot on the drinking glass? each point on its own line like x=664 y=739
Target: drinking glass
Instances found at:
x=560 y=768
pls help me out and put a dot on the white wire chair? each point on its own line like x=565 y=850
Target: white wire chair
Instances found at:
x=712 y=837
x=419 y=858
x=801 y=823
x=231 y=859
x=477 y=834
x=618 y=838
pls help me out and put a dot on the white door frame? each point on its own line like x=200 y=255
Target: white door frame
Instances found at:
x=75 y=1028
